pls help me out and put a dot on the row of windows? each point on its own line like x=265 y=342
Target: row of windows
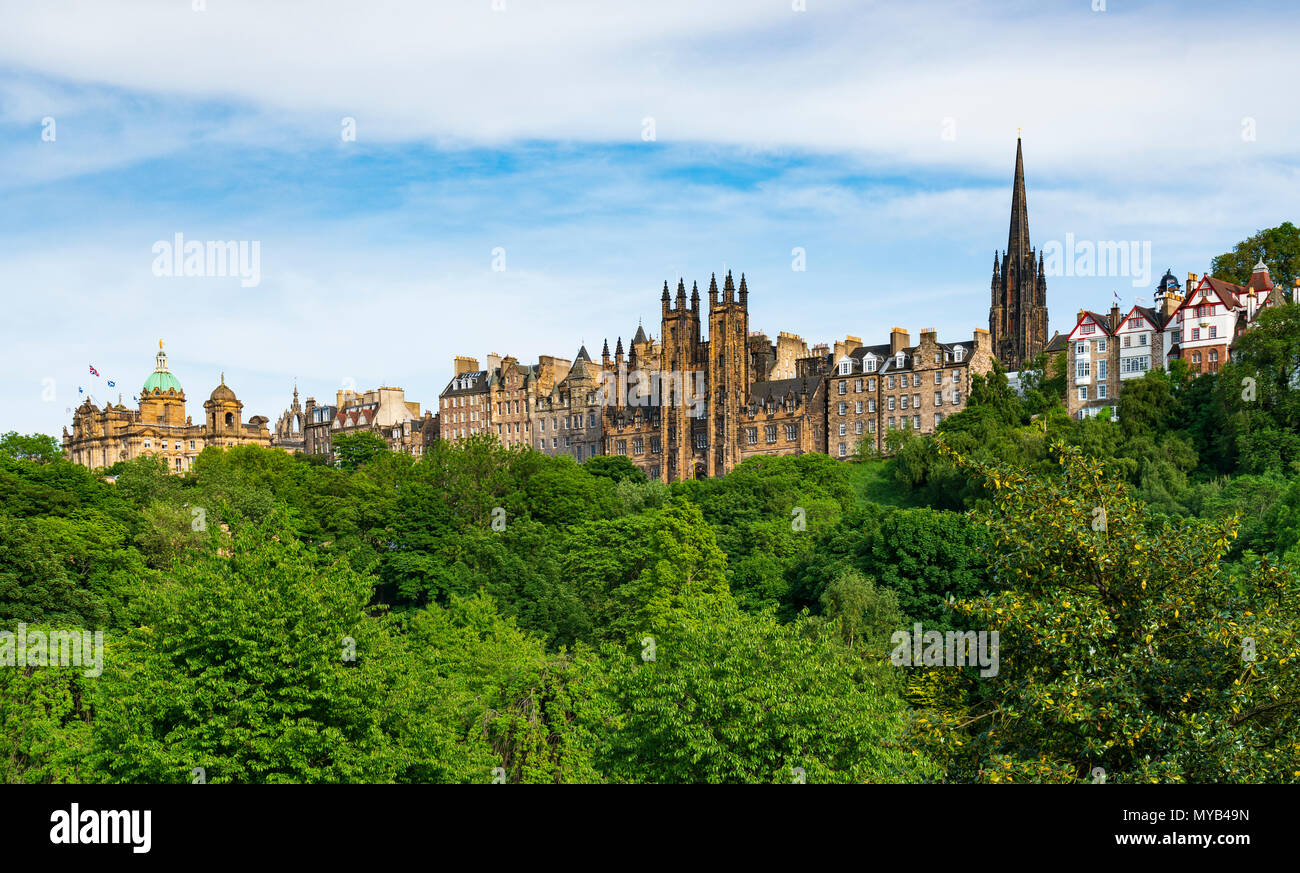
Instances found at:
x=770 y=432
x=900 y=361
x=1083 y=368
x=902 y=382
x=638 y=445
x=1101 y=392
x=176 y=444
x=915 y=423
x=473 y=400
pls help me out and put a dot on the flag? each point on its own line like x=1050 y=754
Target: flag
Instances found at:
x=93 y=371
x=112 y=384
x=79 y=391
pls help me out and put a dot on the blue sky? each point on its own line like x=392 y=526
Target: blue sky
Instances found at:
x=879 y=138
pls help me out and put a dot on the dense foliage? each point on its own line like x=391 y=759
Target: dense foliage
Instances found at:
x=485 y=613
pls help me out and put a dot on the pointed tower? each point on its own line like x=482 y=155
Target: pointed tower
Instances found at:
x=727 y=376
x=1018 y=309
x=681 y=354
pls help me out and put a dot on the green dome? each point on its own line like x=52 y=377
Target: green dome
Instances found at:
x=161 y=380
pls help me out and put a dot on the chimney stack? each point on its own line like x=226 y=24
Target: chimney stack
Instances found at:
x=462 y=365
x=898 y=340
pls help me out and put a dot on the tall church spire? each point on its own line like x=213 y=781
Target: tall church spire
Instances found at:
x=1018 y=314
x=1018 y=236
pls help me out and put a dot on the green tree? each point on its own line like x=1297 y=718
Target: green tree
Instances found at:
x=240 y=666
x=616 y=467
x=35 y=447
x=1124 y=644
x=354 y=449
x=1278 y=247
x=1261 y=390
x=735 y=697
x=866 y=614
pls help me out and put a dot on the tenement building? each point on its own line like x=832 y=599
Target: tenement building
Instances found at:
x=898 y=386
x=567 y=419
x=514 y=390
x=465 y=404
x=383 y=411
x=1018 y=314
x=160 y=426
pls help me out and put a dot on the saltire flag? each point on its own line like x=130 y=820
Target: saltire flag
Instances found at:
x=112 y=384
x=79 y=391
x=93 y=371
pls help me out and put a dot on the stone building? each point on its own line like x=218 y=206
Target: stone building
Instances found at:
x=384 y=411
x=568 y=419
x=896 y=386
x=1215 y=312
x=1094 y=364
x=1018 y=313
x=160 y=426
x=1199 y=327
x=690 y=407
x=515 y=391
x=289 y=429
x=465 y=404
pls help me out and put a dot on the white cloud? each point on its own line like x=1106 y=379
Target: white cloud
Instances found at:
x=1120 y=91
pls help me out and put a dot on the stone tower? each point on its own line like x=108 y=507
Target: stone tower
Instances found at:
x=682 y=354
x=1018 y=314
x=727 y=373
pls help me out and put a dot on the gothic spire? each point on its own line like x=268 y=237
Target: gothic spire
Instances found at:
x=728 y=288
x=665 y=297
x=1018 y=236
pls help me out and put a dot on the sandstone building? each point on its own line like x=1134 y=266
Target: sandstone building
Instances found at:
x=898 y=386
x=384 y=411
x=690 y=407
x=160 y=426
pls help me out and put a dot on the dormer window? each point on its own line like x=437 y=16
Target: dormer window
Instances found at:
x=846 y=367
x=958 y=353
x=898 y=360
x=871 y=364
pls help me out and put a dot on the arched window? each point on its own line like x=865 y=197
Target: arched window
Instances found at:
x=230 y=419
